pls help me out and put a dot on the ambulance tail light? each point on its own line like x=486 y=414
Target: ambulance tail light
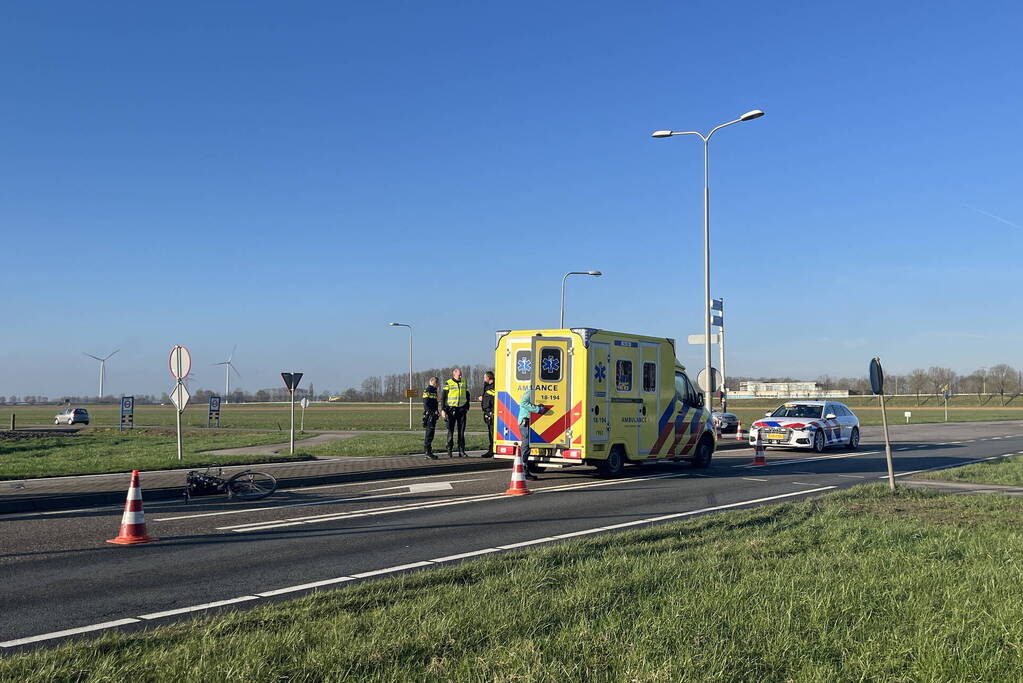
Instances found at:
x=572 y=453
x=506 y=450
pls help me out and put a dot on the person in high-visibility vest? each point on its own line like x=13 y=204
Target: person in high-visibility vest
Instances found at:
x=487 y=404
x=454 y=407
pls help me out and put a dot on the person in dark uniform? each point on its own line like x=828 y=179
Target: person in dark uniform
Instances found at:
x=454 y=407
x=431 y=411
x=487 y=404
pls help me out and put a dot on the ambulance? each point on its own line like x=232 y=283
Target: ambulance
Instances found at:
x=607 y=398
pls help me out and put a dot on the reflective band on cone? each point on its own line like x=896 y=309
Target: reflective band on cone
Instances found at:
x=758 y=453
x=518 y=479
x=133 y=522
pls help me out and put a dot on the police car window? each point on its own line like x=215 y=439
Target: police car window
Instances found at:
x=799 y=410
x=524 y=365
x=649 y=376
x=550 y=364
x=623 y=375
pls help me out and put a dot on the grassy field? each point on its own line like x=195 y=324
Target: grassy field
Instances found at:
x=329 y=416
x=105 y=450
x=394 y=417
x=388 y=444
x=860 y=585
x=1007 y=471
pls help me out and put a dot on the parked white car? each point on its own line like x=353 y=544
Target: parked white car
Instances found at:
x=71 y=416
x=808 y=424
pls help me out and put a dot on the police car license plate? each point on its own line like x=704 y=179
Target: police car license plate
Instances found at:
x=776 y=437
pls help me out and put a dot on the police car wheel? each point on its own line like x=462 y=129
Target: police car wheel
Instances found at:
x=854 y=439
x=818 y=441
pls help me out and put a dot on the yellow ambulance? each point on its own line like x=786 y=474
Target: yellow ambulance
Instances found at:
x=608 y=398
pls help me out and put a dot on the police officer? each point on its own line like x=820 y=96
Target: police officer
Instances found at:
x=487 y=404
x=431 y=411
x=454 y=407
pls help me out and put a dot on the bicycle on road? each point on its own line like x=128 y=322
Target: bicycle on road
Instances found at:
x=245 y=485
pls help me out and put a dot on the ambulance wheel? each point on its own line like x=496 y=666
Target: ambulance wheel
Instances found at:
x=854 y=439
x=615 y=463
x=704 y=452
x=818 y=441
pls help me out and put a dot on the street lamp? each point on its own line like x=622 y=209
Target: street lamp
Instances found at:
x=409 y=369
x=748 y=116
x=594 y=273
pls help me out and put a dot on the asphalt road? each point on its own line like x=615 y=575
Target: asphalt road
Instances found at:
x=60 y=575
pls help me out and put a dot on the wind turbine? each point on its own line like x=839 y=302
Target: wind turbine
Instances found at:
x=228 y=367
x=102 y=369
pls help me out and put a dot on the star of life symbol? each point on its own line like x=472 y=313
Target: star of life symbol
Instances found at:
x=551 y=364
x=599 y=372
x=525 y=366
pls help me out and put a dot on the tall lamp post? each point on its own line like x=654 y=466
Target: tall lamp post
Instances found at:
x=594 y=273
x=748 y=116
x=409 y=369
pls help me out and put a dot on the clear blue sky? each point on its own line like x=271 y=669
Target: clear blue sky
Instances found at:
x=289 y=177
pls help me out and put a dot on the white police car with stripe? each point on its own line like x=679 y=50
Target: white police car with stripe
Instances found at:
x=808 y=424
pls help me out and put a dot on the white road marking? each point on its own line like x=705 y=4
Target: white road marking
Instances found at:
x=803 y=483
x=68 y=632
x=753 y=479
x=399 y=568
x=337 y=516
x=791 y=461
x=851 y=476
x=197 y=608
x=945 y=467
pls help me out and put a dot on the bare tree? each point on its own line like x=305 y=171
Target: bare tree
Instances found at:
x=917 y=382
x=1001 y=377
x=940 y=377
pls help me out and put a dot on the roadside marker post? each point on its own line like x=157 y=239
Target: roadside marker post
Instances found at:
x=304 y=404
x=180 y=363
x=127 y=413
x=213 y=412
x=877 y=387
x=946 y=393
x=291 y=380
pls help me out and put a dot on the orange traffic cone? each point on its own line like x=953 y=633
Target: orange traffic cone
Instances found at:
x=133 y=522
x=518 y=479
x=758 y=452
x=738 y=431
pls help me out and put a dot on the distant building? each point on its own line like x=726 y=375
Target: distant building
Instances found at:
x=786 y=390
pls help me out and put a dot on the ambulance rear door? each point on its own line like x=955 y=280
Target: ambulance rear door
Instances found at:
x=552 y=389
x=518 y=377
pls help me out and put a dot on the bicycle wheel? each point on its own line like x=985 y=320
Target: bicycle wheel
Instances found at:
x=250 y=485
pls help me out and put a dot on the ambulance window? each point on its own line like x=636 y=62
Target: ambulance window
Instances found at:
x=524 y=365
x=623 y=375
x=680 y=386
x=649 y=376
x=550 y=364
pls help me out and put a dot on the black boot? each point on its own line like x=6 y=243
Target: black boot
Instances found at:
x=430 y=454
x=449 y=453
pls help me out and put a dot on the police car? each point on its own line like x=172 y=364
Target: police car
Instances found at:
x=808 y=424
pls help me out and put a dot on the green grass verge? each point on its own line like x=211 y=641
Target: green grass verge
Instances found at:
x=1007 y=471
x=387 y=444
x=100 y=450
x=860 y=585
x=319 y=416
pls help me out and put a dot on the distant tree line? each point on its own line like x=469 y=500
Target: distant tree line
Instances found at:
x=998 y=380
